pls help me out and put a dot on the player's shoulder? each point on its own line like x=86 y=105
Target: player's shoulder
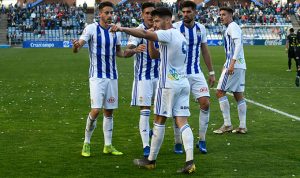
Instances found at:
x=199 y=25
x=233 y=25
x=142 y=26
x=91 y=26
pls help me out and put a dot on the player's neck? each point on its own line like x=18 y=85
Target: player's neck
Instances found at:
x=147 y=25
x=228 y=23
x=190 y=24
x=104 y=25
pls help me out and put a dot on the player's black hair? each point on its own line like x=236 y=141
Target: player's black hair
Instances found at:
x=291 y=30
x=190 y=4
x=162 y=12
x=228 y=9
x=147 y=4
x=105 y=4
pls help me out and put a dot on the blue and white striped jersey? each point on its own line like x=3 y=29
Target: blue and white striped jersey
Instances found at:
x=232 y=32
x=194 y=36
x=145 y=68
x=173 y=50
x=102 y=51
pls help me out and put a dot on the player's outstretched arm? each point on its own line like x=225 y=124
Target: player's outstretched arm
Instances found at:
x=77 y=44
x=140 y=33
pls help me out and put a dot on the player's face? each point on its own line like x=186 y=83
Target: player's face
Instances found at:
x=159 y=23
x=146 y=15
x=188 y=14
x=106 y=15
x=225 y=17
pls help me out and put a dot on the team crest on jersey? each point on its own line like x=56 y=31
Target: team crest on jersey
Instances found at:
x=111 y=100
x=241 y=61
x=173 y=74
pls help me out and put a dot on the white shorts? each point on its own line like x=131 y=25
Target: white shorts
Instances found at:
x=143 y=91
x=198 y=84
x=170 y=102
x=232 y=83
x=104 y=93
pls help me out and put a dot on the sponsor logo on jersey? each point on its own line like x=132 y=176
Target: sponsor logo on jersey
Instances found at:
x=203 y=90
x=184 y=107
x=173 y=74
x=111 y=100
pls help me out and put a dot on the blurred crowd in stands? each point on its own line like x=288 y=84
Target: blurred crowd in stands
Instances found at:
x=72 y=19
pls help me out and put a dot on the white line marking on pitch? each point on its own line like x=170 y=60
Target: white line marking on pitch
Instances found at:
x=269 y=108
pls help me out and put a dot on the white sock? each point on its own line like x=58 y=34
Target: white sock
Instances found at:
x=144 y=126
x=89 y=128
x=203 y=124
x=225 y=108
x=242 y=110
x=156 y=141
x=108 y=125
x=188 y=141
x=177 y=133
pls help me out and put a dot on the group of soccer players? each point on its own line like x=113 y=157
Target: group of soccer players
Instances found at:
x=166 y=68
x=293 y=49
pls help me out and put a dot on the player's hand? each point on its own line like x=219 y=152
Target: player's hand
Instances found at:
x=116 y=28
x=141 y=48
x=230 y=69
x=211 y=80
x=151 y=29
x=76 y=45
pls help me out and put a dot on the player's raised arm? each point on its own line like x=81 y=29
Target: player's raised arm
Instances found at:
x=77 y=44
x=140 y=33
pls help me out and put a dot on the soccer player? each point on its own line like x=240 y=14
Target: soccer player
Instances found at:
x=298 y=59
x=233 y=75
x=145 y=75
x=103 y=49
x=172 y=95
x=195 y=35
x=291 y=47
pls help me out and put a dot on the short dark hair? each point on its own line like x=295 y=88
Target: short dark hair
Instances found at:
x=291 y=30
x=190 y=4
x=105 y=4
x=147 y=4
x=228 y=9
x=161 y=12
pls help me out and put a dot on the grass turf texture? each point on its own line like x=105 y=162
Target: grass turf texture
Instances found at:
x=44 y=102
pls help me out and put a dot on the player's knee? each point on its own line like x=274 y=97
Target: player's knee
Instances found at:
x=204 y=103
x=95 y=112
x=219 y=94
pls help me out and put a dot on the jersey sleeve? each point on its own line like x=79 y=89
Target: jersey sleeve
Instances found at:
x=87 y=33
x=235 y=32
x=203 y=34
x=134 y=41
x=164 y=36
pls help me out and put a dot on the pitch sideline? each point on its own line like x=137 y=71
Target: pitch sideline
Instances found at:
x=269 y=108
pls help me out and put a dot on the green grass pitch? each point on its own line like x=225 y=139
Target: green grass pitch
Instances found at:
x=44 y=101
